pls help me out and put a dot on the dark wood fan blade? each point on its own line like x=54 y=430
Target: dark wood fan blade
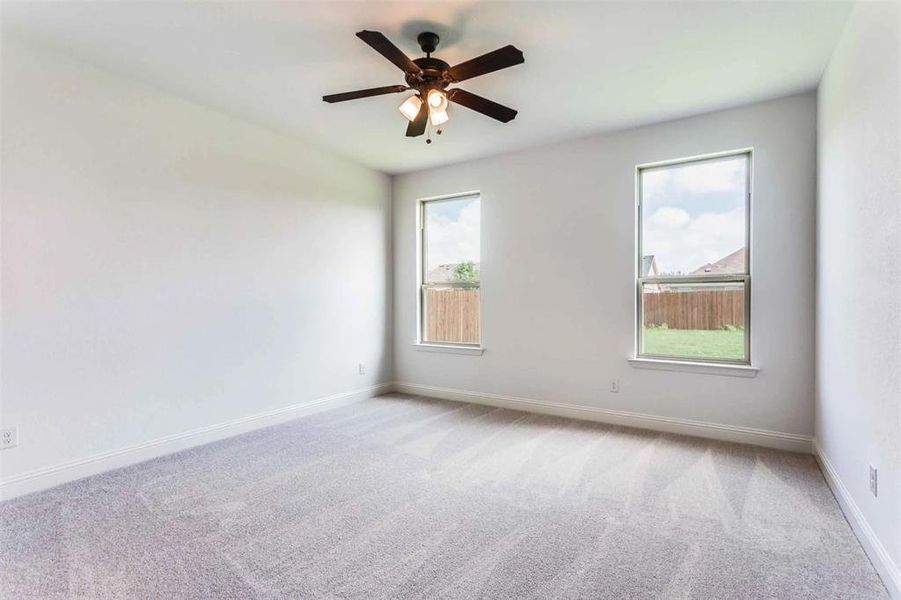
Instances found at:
x=388 y=89
x=383 y=46
x=487 y=63
x=483 y=105
x=417 y=125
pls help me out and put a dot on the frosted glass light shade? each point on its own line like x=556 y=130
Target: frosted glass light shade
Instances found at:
x=410 y=107
x=438 y=117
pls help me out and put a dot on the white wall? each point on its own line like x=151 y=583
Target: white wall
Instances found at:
x=558 y=255
x=858 y=374
x=167 y=268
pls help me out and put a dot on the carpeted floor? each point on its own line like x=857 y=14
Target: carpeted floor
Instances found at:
x=399 y=497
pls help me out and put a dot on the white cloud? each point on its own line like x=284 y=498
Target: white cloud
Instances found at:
x=454 y=241
x=669 y=217
x=702 y=177
x=711 y=176
x=705 y=238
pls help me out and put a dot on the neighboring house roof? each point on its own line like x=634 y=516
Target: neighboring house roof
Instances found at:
x=445 y=273
x=734 y=263
x=649 y=266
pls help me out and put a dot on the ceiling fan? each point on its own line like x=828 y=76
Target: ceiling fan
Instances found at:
x=429 y=78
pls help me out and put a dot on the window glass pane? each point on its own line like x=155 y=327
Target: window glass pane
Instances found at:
x=694 y=320
x=452 y=240
x=451 y=271
x=694 y=218
x=451 y=315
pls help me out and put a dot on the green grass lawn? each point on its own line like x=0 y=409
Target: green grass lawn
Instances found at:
x=695 y=343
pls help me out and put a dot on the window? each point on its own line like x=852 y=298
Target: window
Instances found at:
x=694 y=278
x=450 y=277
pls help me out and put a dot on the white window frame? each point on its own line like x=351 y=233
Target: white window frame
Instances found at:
x=743 y=278
x=421 y=285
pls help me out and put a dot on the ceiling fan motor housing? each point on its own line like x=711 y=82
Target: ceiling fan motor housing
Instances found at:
x=435 y=72
x=434 y=75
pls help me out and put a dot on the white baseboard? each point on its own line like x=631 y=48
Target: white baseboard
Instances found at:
x=729 y=433
x=879 y=556
x=48 y=477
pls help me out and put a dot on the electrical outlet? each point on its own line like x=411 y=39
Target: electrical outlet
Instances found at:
x=362 y=369
x=874 y=482
x=9 y=438
x=614 y=385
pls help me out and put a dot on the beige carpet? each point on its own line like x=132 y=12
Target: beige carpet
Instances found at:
x=411 y=498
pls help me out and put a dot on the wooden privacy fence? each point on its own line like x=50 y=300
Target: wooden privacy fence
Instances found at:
x=452 y=315
x=695 y=310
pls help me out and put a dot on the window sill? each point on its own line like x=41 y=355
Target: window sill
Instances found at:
x=449 y=349
x=686 y=366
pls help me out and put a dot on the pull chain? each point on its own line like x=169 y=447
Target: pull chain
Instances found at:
x=428 y=133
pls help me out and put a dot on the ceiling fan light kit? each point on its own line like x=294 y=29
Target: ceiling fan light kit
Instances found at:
x=430 y=77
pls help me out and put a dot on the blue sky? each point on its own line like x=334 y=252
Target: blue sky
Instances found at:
x=693 y=214
x=452 y=229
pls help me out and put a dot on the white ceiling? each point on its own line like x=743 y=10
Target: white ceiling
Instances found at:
x=590 y=66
